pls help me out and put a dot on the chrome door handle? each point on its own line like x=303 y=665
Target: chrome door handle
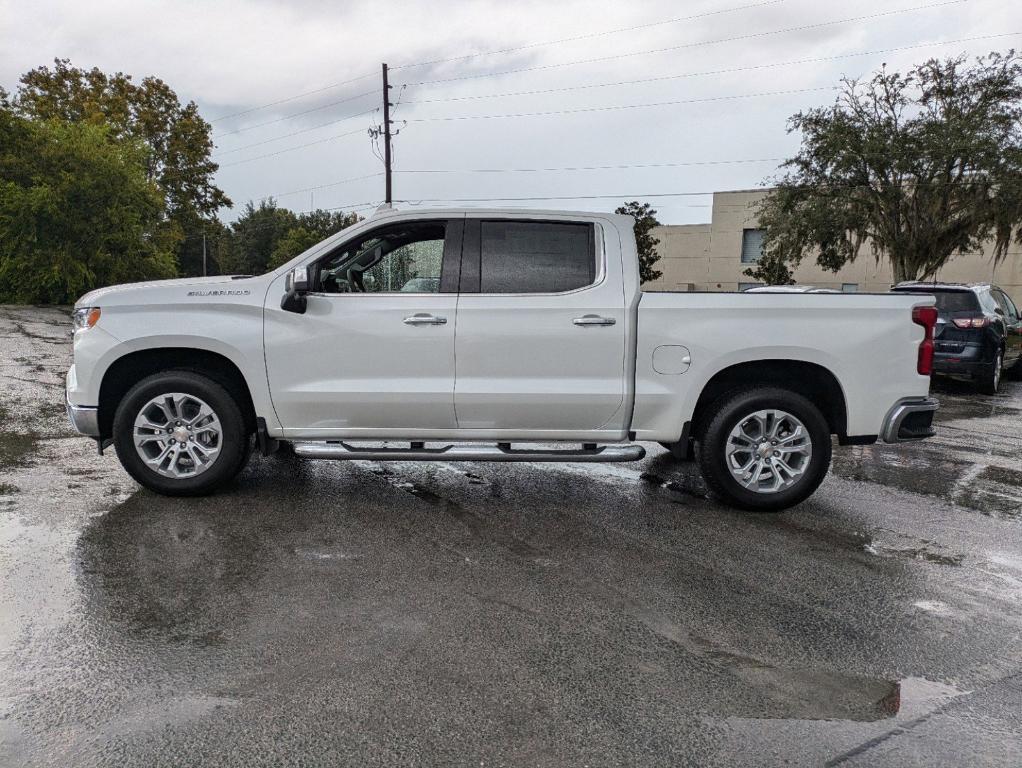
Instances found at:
x=421 y=318
x=594 y=320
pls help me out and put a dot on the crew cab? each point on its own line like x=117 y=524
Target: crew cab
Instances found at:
x=502 y=335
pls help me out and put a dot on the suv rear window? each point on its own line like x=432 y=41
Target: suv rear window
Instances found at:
x=535 y=257
x=951 y=301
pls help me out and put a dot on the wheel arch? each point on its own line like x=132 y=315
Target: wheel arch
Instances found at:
x=811 y=380
x=127 y=370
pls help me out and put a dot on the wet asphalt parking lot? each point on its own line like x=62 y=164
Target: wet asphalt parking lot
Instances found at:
x=492 y=614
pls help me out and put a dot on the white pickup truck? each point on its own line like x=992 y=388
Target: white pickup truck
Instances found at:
x=501 y=335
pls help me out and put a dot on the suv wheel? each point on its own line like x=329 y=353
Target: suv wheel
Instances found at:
x=180 y=434
x=764 y=449
x=989 y=381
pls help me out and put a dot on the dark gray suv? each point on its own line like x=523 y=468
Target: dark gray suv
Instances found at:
x=978 y=334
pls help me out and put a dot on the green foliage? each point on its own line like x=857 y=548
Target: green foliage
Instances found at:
x=177 y=139
x=920 y=167
x=310 y=229
x=76 y=212
x=645 y=243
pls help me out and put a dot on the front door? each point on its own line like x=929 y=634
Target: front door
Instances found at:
x=373 y=355
x=540 y=345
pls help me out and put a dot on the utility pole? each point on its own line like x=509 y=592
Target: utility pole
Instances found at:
x=386 y=132
x=203 y=251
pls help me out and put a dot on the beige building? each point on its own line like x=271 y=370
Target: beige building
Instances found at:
x=712 y=257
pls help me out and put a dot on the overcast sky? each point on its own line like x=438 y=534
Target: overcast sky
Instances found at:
x=726 y=132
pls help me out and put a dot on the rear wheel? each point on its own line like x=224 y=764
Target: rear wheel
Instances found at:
x=180 y=434
x=989 y=381
x=764 y=449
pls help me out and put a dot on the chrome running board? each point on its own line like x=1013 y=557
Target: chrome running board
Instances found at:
x=500 y=452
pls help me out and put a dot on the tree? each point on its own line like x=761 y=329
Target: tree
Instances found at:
x=920 y=166
x=255 y=235
x=645 y=243
x=177 y=138
x=312 y=227
x=76 y=212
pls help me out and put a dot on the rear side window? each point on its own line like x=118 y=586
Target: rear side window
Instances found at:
x=535 y=257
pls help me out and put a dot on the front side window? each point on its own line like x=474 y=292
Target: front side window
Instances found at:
x=535 y=257
x=404 y=258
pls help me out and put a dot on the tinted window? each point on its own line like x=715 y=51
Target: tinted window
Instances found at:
x=535 y=257
x=1006 y=304
x=952 y=301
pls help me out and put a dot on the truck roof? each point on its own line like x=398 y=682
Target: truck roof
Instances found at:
x=393 y=209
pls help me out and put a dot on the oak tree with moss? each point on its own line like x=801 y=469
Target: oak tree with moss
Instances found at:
x=915 y=167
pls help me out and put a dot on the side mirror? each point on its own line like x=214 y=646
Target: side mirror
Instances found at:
x=296 y=286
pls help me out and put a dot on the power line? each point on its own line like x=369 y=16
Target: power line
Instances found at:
x=354 y=207
x=292 y=98
x=814 y=60
x=582 y=110
x=327 y=186
x=294 y=133
x=296 y=114
x=698 y=43
x=639 y=196
x=591 y=167
x=291 y=149
x=590 y=36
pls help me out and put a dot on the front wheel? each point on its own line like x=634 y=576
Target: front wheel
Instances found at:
x=764 y=449
x=180 y=434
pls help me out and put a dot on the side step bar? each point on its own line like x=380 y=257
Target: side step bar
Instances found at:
x=499 y=452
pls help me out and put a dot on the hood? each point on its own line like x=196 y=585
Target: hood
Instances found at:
x=113 y=293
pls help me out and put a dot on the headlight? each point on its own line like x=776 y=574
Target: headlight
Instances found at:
x=84 y=317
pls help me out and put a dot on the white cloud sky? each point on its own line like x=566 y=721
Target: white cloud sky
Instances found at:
x=231 y=56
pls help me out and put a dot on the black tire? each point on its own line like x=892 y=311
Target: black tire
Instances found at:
x=235 y=443
x=989 y=381
x=727 y=413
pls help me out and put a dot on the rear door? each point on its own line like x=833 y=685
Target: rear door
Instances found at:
x=540 y=341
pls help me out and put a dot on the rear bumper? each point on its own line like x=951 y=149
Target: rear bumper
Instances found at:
x=967 y=360
x=910 y=419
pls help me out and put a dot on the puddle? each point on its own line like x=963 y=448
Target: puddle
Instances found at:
x=817 y=695
x=914 y=553
x=15 y=448
x=311 y=554
x=973 y=408
x=933 y=606
x=990 y=489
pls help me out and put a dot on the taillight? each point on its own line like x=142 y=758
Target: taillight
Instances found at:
x=971 y=322
x=926 y=317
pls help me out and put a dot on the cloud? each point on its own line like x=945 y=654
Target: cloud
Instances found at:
x=232 y=56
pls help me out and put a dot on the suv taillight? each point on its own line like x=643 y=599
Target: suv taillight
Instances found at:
x=971 y=322
x=926 y=317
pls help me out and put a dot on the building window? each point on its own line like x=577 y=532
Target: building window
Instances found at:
x=849 y=287
x=752 y=245
x=747 y=286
